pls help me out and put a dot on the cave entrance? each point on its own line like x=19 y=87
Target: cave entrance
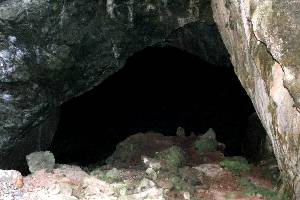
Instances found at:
x=159 y=89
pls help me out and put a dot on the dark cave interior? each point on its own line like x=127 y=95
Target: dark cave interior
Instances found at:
x=159 y=89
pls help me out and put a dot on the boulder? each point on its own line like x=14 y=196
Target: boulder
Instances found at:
x=40 y=161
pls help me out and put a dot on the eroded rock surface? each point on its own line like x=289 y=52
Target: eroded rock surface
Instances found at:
x=262 y=38
x=51 y=51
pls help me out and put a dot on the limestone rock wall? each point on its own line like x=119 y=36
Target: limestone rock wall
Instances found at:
x=262 y=38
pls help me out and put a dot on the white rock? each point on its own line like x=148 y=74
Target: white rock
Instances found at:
x=151 y=163
x=210 y=170
x=186 y=195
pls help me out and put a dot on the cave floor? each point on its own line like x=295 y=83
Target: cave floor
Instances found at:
x=148 y=166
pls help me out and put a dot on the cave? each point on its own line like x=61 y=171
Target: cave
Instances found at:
x=69 y=57
x=159 y=89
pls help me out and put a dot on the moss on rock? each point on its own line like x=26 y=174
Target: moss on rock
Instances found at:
x=206 y=145
x=252 y=190
x=173 y=156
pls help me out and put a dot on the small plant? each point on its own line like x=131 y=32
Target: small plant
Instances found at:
x=173 y=156
x=236 y=164
x=179 y=184
x=251 y=189
x=206 y=145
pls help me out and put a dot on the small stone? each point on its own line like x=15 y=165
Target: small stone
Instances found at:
x=186 y=195
x=151 y=163
x=210 y=170
x=259 y=195
x=145 y=184
x=151 y=173
x=40 y=160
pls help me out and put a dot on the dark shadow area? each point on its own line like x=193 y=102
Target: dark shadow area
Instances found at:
x=158 y=89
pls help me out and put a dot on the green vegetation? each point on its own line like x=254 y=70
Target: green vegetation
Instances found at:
x=235 y=164
x=173 y=156
x=206 y=145
x=180 y=183
x=251 y=189
x=271 y=171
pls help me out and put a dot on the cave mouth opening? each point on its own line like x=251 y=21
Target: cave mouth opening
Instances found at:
x=159 y=89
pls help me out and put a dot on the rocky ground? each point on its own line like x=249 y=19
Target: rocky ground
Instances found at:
x=147 y=166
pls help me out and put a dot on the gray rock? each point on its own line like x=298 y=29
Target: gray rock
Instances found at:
x=210 y=170
x=40 y=161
